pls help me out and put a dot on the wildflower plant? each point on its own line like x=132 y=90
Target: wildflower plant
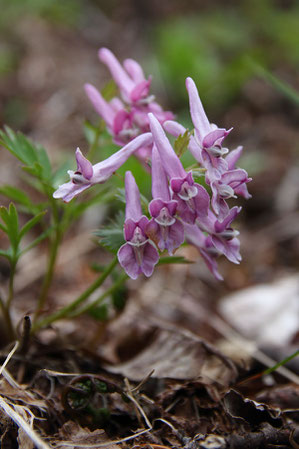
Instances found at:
x=180 y=210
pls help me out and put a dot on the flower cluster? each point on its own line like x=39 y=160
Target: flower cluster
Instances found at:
x=127 y=117
x=181 y=209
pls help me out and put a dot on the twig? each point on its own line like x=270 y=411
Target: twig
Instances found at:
x=25 y=337
x=14 y=349
x=107 y=444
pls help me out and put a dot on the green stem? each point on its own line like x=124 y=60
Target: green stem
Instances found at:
x=54 y=245
x=98 y=301
x=283 y=362
x=11 y=284
x=67 y=310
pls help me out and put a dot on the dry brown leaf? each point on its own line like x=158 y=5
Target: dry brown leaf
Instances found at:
x=253 y=412
x=72 y=432
x=181 y=355
x=266 y=313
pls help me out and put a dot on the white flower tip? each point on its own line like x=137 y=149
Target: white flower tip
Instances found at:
x=57 y=194
x=103 y=53
x=189 y=82
x=88 y=88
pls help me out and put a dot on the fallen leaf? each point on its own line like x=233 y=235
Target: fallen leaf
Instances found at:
x=178 y=354
x=267 y=313
x=250 y=411
x=72 y=432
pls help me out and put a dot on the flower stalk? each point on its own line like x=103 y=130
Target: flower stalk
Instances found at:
x=70 y=308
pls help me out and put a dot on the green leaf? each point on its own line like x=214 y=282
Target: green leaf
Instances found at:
x=3 y=228
x=283 y=362
x=287 y=90
x=112 y=236
x=173 y=259
x=100 y=312
x=34 y=220
x=33 y=156
x=60 y=175
x=181 y=143
x=14 y=219
x=18 y=146
x=110 y=90
x=10 y=218
x=5 y=253
x=39 y=239
x=4 y=215
x=16 y=194
x=44 y=162
x=119 y=297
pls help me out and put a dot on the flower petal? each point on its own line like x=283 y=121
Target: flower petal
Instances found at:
x=100 y=105
x=133 y=205
x=171 y=163
x=176 y=236
x=150 y=259
x=119 y=120
x=127 y=260
x=160 y=188
x=134 y=70
x=140 y=91
x=233 y=157
x=215 y=137
x=198 y=115
x=230 y=248
x=211 y=264
x=103 y=170
x=84 y=165
x=69 y=190
x=174 y=128
x=119 y=75
x=220 y=226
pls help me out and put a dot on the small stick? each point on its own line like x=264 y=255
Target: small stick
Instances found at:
x=25 y=336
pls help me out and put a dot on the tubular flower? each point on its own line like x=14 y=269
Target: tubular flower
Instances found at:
x=231 y=183
x=139 y=254
x=87 y=174
x=164 y=228
x=223 y=236
x=193 y=199
x=206 y=146
x=127 y=117
x=205 y=246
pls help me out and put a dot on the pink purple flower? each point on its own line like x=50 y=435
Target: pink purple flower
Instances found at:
x=87 y=174
x=127 y=117
x=193 y=199
x=223 y=236
x=205 y=246
x=139 y=254
x=164 y=228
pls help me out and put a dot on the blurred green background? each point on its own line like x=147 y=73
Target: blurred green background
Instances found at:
x=220 y=44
